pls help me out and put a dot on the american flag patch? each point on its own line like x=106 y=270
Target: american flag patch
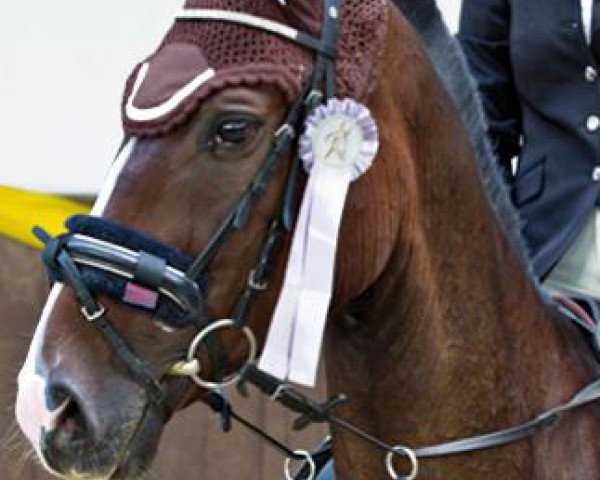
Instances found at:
x=140 y=296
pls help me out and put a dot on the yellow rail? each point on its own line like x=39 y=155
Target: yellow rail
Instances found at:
x=20 y=211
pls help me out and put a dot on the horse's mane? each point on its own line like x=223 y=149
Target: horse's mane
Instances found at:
x=451 y=66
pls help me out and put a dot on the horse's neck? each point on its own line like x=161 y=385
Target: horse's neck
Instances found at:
x=454 y=340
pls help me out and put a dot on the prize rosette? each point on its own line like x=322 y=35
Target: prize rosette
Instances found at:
x=339 y=145
x=342 y=134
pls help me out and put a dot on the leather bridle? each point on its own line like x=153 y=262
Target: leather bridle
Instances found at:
x=67 y=254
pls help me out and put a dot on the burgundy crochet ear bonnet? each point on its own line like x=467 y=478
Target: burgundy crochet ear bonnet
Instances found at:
x=197 y=58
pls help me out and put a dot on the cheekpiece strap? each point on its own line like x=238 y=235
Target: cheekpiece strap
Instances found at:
x=325 y=66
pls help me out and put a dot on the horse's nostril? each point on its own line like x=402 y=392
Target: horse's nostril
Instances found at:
x=71 y=427
x=66 y=435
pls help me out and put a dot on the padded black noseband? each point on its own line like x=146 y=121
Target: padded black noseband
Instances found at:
x=115 y=260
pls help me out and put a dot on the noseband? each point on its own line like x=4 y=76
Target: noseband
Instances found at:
x=159 y=278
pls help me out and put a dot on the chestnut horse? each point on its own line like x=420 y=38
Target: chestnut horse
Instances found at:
x=437 y=330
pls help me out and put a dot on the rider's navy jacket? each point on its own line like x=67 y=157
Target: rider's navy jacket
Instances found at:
x=541 y=94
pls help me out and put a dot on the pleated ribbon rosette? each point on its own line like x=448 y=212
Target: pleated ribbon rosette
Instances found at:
x=338 y=146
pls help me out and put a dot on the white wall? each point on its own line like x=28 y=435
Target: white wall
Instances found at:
x=63 y=64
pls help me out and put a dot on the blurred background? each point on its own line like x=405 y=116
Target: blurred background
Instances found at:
x=64 y=64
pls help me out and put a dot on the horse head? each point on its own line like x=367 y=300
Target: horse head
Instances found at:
x=197 y=209
x=210 y=255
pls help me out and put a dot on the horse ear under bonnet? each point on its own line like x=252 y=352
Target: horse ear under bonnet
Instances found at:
x=201 y=55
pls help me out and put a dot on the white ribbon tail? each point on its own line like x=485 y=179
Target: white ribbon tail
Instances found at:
x=275 y=357
x=276 y=353
x=331 y=189
x=295 y=338
x=308 y=337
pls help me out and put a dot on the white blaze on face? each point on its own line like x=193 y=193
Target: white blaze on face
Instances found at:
x=31 y=410
x=111 y=179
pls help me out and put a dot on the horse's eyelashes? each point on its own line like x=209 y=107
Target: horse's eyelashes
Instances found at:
x=232 y=134
x=235 y=132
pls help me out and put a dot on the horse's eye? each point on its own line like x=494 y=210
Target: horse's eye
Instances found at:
x=234 y=133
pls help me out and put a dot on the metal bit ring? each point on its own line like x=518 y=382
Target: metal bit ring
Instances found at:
x=403 y=452
x=311 y=465
x=233 y=378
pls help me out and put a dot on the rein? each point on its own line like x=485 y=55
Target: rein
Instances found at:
x=314 y=412
x=66 y=256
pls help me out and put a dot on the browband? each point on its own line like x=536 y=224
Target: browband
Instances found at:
x=252 y=21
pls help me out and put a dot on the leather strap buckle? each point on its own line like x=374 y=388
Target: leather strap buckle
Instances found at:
x=93 y=316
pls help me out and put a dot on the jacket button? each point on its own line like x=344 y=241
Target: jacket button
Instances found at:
x=592 y=123
x=591 y=74
x=596 y=174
